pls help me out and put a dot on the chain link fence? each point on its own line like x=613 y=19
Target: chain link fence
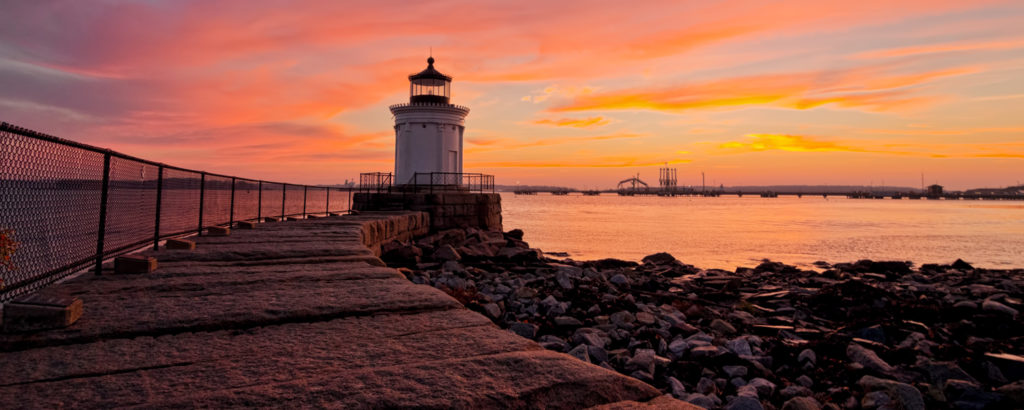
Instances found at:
x=66 y=206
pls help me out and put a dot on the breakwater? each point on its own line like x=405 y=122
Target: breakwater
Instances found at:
x=293 y=314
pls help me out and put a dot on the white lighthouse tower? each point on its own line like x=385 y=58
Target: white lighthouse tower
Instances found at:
x=428 y=130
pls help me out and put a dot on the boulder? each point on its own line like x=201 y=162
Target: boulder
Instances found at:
x=801 y=403
x=446 y=253
x=661 y=258
x=527 y=330
x=867 y=358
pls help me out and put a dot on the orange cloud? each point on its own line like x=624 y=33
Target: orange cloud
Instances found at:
x=801 y=143
x=589 y=122
x=786 y=142
x=870 y=88
x=998 y=44
x=503 y=144
x=611 y=162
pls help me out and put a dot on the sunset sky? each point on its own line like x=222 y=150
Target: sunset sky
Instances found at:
x=581 y=93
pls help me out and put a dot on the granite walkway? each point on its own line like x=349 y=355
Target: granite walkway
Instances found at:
x=292 y=314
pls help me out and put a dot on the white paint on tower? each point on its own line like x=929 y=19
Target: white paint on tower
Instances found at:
x=428 y=130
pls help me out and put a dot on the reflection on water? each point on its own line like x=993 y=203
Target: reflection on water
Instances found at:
x=727 y=232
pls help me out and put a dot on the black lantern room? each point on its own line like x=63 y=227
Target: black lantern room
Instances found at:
x=429 y=86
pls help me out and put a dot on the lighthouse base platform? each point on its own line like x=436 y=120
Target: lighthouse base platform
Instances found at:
x=447 y=209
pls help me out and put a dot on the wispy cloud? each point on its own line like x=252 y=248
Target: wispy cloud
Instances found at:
x=589 y=122
x=803 y=143
x=872 y=88
x=508 y=144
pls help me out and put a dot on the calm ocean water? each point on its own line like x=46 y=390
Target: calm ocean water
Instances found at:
x=727 y=232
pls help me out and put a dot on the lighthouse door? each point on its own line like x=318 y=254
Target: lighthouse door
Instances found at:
x=453 y=161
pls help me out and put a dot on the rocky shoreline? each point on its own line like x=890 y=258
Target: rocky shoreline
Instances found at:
x=863 y=335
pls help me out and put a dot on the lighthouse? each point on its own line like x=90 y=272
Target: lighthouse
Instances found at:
x=428 y=131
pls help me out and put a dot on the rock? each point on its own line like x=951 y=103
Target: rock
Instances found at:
x=700 y=400
x=642 y=360
x=704 y=351
x=965 y=304
x=906 y=397
x=525 y=293
x=446 y=253
x=867 y=358
x=874 y=400
x=493 y=310
x=619 y=279
x=801 y=403
x=735 y=371
x=1014 y=392
x=580 y=352
x=516 y=234
x=646 y=318
x=401 y=253
x=903 y=395
x=677 y=388
x=552 y=342
x=722 y=327
x=992 y=306
x=939 y=372
x=661 y=258
x=678 y=347
x=590 y=336
x=806 y=357
x=564 y=281
x=805 y=381
x=743 y=403
x=567 y=321
x=706 y=386
x=794 y=391
x=740 y=346
x=960 y=264
x=527 y=330
x=622 y=318
x=747 y=391
x=764 y=387
x=873 y=333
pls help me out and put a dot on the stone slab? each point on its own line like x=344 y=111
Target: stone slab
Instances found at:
x=134 y=264
x=180 y=245
x=41 y=312
x=204 y=307
x=245 y=225
x=218 y=231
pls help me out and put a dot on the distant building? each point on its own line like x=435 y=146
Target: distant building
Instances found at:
x=934 y=191
x=429 y=129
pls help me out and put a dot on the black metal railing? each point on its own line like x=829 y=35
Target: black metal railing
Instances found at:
x=65 y=205
x=452 y=181
x=375 y=182
x=427 y=182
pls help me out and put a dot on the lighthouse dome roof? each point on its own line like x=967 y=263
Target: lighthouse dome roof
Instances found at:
x=430 y=73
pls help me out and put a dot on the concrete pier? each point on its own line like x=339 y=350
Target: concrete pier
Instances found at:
x=292 y=314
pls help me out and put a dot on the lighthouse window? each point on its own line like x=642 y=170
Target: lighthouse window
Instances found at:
x=424 y=125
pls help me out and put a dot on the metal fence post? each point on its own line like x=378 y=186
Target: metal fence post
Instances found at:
x=231 y=212
x=104 y=194
x=159 y=200
x=259 y=202
x=349 y=201
x=284 y=193
x=305 y=190
x=202 y=194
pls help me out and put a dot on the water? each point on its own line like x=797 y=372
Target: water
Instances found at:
x=727 y=232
